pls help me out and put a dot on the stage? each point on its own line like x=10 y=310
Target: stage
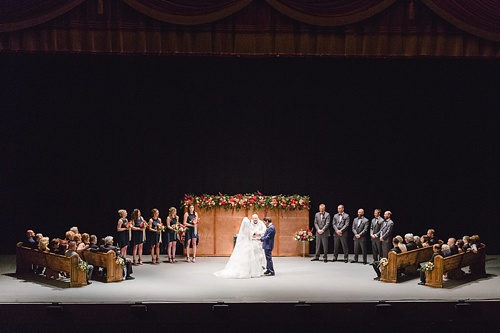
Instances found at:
x=299 y=285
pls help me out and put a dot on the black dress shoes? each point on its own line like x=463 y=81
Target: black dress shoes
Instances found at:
x=376 y=278
x=325 y=260
x=421 y=283
x=315 y=259
x=346 y=261
x=269 y=274
x=334 y=259
x=365 y=263
x=353 y=261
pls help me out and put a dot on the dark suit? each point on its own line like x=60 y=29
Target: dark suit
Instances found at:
x=322 y=222
x=453 y=249
x=411 y=246
x=360 y=227
x=376 y=245
x=386 y=234
x=340 y=223
x=268 y=246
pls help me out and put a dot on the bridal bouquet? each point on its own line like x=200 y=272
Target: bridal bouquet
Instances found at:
x=304 y=235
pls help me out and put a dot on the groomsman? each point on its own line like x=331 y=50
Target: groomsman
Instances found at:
x=374 y=229
x=360 y=230
x=322 y=226
x=340 y=228
x=385 y=233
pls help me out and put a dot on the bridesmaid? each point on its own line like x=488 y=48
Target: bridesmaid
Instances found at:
x=172 y=219
x=191 y=221
x=155 y=229
x=124 y=232
x=138 y=226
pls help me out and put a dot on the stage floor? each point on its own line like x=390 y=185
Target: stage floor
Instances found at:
x=297 y=279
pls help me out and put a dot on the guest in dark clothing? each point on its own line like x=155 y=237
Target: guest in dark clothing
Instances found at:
x=437 y=252
x=466 y=246
x=108 y=246
x=432 y=237
x=376 y=264
x=93 y=243
x=410 y=242
x=452 y=243
x=30 y=240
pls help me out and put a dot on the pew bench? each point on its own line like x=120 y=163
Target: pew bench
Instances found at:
x=107 y=260
x=451 y=264
x=53 y=263
x=408 y=260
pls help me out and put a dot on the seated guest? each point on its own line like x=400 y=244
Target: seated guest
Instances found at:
x=432 y=237
x=43 y=245
x=410 y=242
x=475 y=243
x=108 y=246
x=63 y=246
x=93 y=243
x=446 y=250
x=38 y=237
x=460 y=245
x=466 y=246
x=30 y=239
x=436 y=248
x=54 y=245
x=401 y=244
x=71 y=251
x=452 y=243
x=74 y=229
x=85 y=243
x=69 y=235
x=417 y=241
x=376 y=264
x=425 y=241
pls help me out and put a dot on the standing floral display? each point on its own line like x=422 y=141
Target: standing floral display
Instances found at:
x=304 y=236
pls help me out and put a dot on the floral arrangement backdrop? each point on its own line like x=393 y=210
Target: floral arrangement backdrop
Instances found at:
x=251 y=201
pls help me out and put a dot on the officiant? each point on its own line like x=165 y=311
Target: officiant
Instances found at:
x=258 y=228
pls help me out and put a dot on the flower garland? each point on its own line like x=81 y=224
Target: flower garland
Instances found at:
x=304 y=235
x=247 y=201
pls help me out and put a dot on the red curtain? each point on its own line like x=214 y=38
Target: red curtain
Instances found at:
x=253 y=27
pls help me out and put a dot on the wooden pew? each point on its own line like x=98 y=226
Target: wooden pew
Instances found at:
x=53 y=263
x=107 y=260
x=476 y=261
x=407 y=260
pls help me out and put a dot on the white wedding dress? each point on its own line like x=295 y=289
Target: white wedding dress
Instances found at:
x=242 y=263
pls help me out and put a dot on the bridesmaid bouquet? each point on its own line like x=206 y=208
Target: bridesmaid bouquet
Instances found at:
x=160 y=228
x=180 y=229
x=304 y=235
x=195 y=221
x=143 y=224
x=128 y=225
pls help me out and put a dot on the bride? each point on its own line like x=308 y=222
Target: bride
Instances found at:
x=242 y=264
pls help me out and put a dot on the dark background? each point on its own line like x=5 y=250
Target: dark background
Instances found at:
x=83 y=136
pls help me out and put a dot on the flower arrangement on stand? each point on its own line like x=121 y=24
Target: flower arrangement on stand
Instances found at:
x=120 y=261
x=383 y=262
x=428 y=266
x=304 y=236
x=252 y=201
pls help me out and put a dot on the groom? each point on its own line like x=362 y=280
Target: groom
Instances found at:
x=268 y=245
